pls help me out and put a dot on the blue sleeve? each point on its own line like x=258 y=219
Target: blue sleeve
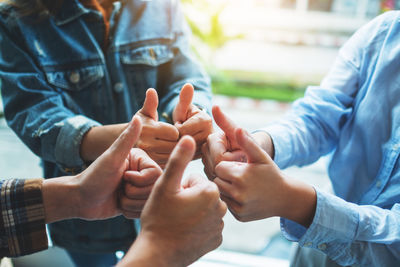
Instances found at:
x=349 y=233
x=35 y=110
x=184 y=68
x=312 y=127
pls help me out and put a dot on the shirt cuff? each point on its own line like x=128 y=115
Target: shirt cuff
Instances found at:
x=23 y=217
x=333 y=228
x=67 y=150
x=282 y=143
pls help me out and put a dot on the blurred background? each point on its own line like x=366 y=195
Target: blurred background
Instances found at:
x=261 y=55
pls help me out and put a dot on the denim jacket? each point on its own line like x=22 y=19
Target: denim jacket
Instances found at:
x=58 y=82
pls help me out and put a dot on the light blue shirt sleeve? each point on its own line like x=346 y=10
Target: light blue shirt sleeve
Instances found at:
x=354 y=115
x=357 y=234
x=312 y=127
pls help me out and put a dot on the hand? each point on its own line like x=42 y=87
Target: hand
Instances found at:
x=190 y=120
x=221 y=146
x=257 y=189
x=157 y=138
x=180 y=223
x=139 y=180
x=98 y=184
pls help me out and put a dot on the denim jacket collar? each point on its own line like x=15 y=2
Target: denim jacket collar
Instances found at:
x=70 y=11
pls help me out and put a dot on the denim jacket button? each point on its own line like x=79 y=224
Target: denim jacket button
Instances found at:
x=118 y=87
x=308 y=244
x=152 y=53
x=74 y=77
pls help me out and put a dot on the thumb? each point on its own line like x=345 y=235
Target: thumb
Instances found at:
x=150 y=104
x=226 y=125
x=121 y=147
x=185 y=99
x=180 y=157
x=255 y=154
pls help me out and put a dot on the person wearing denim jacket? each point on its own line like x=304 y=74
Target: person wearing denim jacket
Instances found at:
x=58 y=82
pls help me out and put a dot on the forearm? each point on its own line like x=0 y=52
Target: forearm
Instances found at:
x=98 y=139
x=60 y=198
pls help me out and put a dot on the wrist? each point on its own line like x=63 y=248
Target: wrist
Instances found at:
x=300 y=202
x=264 y=140
x=60 y=198
x=98 y=139
x=149 y=250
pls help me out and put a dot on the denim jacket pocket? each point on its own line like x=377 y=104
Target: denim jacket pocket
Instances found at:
x=75 y=79
x=142 y=67
x=151 y=55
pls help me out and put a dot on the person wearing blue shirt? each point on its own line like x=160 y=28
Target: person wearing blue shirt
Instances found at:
x=74 y=72
x=354 y=118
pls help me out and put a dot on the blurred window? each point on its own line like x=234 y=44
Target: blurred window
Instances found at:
x=360 y=8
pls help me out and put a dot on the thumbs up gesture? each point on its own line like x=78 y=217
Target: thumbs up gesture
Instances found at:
x=223 y=146
x=190 y=120
x=99 y=183
x=157 y=138
x=257 y=189
x=180 y=222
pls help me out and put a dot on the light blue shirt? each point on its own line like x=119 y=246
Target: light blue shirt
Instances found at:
x=354 y=116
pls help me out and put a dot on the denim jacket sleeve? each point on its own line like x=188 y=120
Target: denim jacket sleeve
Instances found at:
x=35 y=110
x=184 y=68
x=358 y=234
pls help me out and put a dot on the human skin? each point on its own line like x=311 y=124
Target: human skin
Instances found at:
x=93 y=194
x=190 y=120
x=224 y=146
x=180 y=223
x=257 y=188
x=249 y=181
x=157 y=138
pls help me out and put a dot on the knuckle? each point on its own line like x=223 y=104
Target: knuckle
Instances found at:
x=223 y=208
x=211 y=137
x=211 y=191
x=219 y=240
x=237 y=196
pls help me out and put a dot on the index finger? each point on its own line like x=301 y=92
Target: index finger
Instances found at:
x=166 y=131
x=226 y=125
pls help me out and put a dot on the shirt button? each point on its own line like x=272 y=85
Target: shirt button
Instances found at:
x=378 y=184
x=322 y=246
x=74 y=77
x=308 y=244
x=396 y=146
x=118 y=87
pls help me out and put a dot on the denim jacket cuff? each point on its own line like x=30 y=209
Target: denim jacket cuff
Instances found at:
x=67 y=150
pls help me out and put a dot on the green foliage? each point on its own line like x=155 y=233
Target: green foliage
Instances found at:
x=214 y=36
x=279 y=92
